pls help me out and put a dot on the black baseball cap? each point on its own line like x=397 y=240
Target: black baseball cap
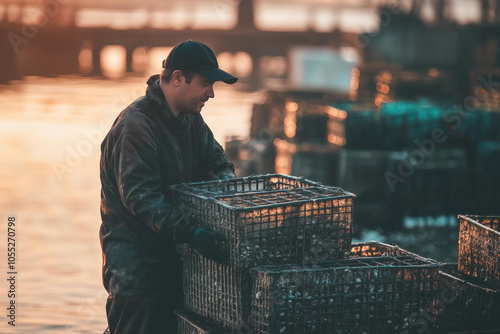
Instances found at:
x=199 y=58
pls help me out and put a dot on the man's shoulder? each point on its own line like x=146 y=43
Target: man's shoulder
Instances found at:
x=138 y=111
x=135 y=117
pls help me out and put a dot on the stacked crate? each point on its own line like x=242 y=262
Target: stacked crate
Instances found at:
x=471 y=291
x=377 y=288
x=292 y=267
x=269 y=219
x=479 y=248
x=467 y=304
x=377 y=249
x=358 y=295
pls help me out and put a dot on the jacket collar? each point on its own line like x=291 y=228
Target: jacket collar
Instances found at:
x=155 y=94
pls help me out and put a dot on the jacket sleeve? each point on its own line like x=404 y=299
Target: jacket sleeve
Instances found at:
x=136 y=164
x=213 y=157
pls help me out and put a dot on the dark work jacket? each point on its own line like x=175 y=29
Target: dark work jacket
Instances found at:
x=147 y=149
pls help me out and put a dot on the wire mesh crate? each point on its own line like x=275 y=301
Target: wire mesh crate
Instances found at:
x=465 y=304
x=479 y=248
x=272 y=219
x=363 y=295
x=216 y=291
x=375 y=249
x=189 y=323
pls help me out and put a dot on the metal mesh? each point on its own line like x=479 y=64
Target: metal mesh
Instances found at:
x=216 y=291
x=211 y=189
x=479 y=248
x=375 y=248
x=188 y=323
x=466 y=305
x=272 y=219
x=276 y=197
x=363 y=295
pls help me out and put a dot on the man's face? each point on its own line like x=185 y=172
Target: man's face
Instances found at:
x=192 y=96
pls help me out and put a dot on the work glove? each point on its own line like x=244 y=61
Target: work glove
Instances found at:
x=224 y=174
x=208 y=244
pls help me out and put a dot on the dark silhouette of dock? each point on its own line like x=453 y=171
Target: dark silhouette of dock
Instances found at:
x=52 y=48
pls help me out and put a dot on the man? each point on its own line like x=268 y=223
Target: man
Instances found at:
x=159 y=140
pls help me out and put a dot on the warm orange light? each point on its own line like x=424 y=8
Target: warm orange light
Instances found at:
x=378 y=100
x=290 y=126
x=433 y=72
x=140 y=59
x=382 y=88
x=292 y=106
x=386 y=76
x=113 y=61
x=244 y=155
x=226 y=61
x=331 y=138
x=354 y=83
x=85 y=60
x=243 y=64
x=332 y=112
x=289 y=121
x=336 y=113
x=283 y=165
x=336 y=140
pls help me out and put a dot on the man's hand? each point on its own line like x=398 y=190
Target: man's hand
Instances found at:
x=208 y=244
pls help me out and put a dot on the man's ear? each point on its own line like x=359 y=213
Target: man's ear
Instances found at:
x=177 y=77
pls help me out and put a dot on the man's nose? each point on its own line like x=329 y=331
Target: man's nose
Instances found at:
x=210 y=91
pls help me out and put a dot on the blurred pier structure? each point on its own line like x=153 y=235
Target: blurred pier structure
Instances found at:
x=48 y=37
x=44 y=37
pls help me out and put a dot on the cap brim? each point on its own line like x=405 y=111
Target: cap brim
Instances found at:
x=217 y=74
